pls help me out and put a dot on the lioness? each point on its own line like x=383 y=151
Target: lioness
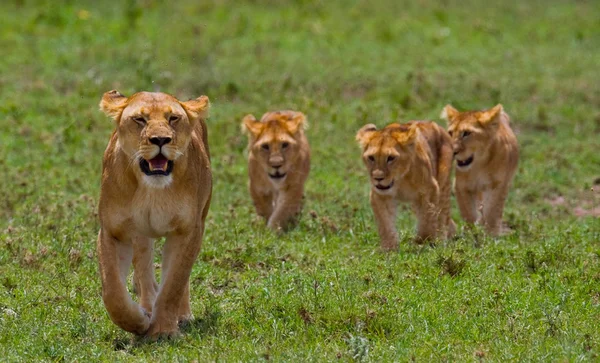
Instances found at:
x=487 y=155
x=156 y=181
x=278 y=165
x=409 y=162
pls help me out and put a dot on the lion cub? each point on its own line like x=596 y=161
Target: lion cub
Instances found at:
x=487 y=155
x=156 y=181
x=412 y=163
x=278 y=165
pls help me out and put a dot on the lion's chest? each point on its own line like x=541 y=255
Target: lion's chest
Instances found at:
x=157 y=214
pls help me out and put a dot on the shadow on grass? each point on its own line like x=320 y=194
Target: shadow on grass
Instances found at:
x=202 y=326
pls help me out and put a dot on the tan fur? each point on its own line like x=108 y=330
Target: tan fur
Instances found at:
x=411 y=163
x=277 y=146
x=136 y=208
x=483 y=184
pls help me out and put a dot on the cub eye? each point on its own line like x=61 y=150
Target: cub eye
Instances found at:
x=173 y=118
x=391 y=158
x=265 y=147
x=140 y=120
x=371 y=158
x=285 y=145
x=450 y=133
x=466 y=133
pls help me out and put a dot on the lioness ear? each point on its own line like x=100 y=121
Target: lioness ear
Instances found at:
x=113 y=103
x=362 y=136
x=198 y=108
x=251 y=125
x=449 y=113
x=491 y=115
x=297 y=122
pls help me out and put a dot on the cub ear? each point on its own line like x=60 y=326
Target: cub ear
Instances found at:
x=296 y=122
x=492 y=115
x=363 y=135
x=449 y=113
x=251 y=126
x=406 y=137
x=198 y=108
x=113 y=103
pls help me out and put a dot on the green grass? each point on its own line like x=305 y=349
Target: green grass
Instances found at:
x=323 y=291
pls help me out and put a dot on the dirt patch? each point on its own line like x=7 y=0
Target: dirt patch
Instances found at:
x=586 y=204
x=582 y=212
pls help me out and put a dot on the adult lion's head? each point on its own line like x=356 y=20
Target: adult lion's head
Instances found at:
x=153 y=130
x=275 y=141
x=387 y=153
x=471 y=132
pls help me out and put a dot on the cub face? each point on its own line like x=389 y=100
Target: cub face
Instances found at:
x=387 y=153
x=470 y=132
x=274 y=141
x=153 y=129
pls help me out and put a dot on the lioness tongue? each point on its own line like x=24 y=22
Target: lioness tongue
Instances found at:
x=159 y=162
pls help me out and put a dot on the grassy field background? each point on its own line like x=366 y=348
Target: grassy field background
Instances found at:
x=324 y=291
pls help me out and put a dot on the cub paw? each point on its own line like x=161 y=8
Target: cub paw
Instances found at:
x=389 y=246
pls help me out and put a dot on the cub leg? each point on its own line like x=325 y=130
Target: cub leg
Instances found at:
x=143 y=272
x=115 y=259
x=467 y=203
x=263 y=202
x=384 y=209
x=428 y=213
x=493 y=207
x=180 y=253
x=287 y=207
x=444 y=171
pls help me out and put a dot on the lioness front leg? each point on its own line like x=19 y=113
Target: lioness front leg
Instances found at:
x=179 y=255
x=493 y=207
x=384 y=209
x=263 y=202
x=115 y=259
x=287 y=207
x=143 y=272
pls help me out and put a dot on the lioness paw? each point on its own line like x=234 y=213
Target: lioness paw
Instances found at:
x=162 y=331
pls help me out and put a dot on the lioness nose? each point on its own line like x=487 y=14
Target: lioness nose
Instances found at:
x=276 y=162
x=160 y=141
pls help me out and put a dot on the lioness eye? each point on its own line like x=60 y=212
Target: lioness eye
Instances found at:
x=140 y=120
x=285 y=145
x=371 y=158
x=391 y=158
x=265 y=147
x=466 y=133
x=173 y=118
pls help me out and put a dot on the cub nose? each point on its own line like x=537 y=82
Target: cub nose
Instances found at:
x=160 y=141
x=378 y=178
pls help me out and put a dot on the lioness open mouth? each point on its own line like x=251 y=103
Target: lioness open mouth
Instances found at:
x=384 y=187
x=277 y=175
x=464 y=163
x=159 y=165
